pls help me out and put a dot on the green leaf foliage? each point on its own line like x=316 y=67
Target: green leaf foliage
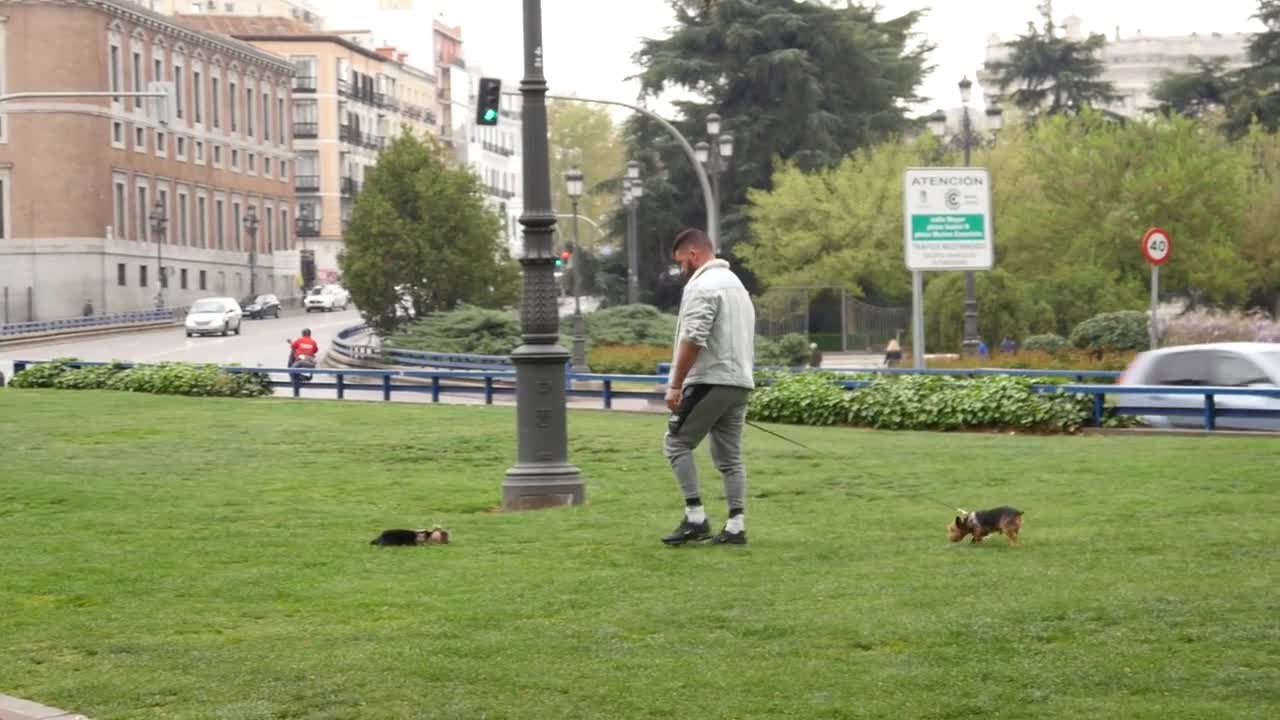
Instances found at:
x=918 y=402
x=1113 y=332
x=421 y=228
x=164 y=379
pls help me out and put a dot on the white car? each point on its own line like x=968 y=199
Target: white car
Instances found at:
x=1211 y=364
x=214 y=316
x=327 y=298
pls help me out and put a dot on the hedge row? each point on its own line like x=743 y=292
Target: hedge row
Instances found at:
x=164 y=379
x=918 y=402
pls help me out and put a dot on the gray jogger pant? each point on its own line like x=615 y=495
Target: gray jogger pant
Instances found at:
x=718 y=410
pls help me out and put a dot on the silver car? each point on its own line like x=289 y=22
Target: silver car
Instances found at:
x=1212 y=365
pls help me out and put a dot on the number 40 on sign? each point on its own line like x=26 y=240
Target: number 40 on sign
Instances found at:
x=1157 y=244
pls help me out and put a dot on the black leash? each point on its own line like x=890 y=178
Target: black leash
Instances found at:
x=780 y=437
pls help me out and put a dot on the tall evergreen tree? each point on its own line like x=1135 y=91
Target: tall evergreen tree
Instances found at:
x=806 y=82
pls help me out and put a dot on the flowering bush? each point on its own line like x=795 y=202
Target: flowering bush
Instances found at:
x=1205 y=325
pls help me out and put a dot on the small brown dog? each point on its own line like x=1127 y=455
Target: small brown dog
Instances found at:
x=435 y=536
x=1004 y=520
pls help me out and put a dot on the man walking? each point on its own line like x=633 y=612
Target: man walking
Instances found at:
x=709 y=385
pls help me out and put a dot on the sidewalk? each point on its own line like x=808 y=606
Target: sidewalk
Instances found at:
x=12 y=708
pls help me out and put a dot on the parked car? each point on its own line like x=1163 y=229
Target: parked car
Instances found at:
x=263 y=306
x=327 y=298
x=214 y=316
x=1211 y=364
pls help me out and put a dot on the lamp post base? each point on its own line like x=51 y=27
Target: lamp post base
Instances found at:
x=542 y=476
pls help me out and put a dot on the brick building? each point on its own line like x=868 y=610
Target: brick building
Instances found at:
x=80 y=178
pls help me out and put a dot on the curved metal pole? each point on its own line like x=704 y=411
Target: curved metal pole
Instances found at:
x=708 y=197
x=586 y=220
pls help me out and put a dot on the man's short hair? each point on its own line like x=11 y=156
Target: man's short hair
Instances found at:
x=691 y=236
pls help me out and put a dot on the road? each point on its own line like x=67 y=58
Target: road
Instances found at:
x=260 y=343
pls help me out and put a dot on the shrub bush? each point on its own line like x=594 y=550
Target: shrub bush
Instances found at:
x=1048 y=343
x=166 y=379
x=1035 y=360
x=627 y=359
x=469 y=329
x=787 y=351
x=1112 y=332
x=628 y=325
x=918 y=402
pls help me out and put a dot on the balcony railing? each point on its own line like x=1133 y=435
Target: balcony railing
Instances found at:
x=307 y=227
x=348 y=134
x=498 y=149
x=306 y=183
x=350 y=187
x=498 y=192
x=306 y=130
x=350 y=90
x=304 y=84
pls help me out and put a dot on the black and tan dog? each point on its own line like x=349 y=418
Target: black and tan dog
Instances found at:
x=981 y=523
x=435 y=536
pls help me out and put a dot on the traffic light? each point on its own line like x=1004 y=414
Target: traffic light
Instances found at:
x=563 y=260
x=488 y=101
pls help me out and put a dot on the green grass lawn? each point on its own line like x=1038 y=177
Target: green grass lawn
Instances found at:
x=171 y=558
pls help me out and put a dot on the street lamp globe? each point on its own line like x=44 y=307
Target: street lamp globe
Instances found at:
x=713 y=124
x=966 y=88
x=938 y=123
x=633 y=169
x=637 y=189
x=573 y=179
x=703 y=151
x=251 y=220
x=626 y=192
x=995 y=117
x=726 y=145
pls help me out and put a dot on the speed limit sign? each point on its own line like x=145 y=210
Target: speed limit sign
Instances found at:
x=1156 y=246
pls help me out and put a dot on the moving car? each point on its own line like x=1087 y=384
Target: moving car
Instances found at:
x=1211 y=364
x=262 y=306
x=214 y=316
x=327 y=298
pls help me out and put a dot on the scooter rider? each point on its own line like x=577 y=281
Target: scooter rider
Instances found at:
x=303 y=346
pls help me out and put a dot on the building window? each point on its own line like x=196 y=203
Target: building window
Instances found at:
x=204 y=280
x=182 y=148
x=215 y=101
x=200 y=152
x=197 y=92
x=142 y=223
x=284 y=229
x=162 y=199
x=177 y=84
x=162 y=143
x=266 y=167
x=219 y=223
x=304 y=73
x=270 y=226
x=4 y=202
x=117 y=134
x=217 y=156
x=120 y=210
x=182 y=275
x=252 y=161
x=140 y=139
x=184 y=207
x=139 y=82
x=142 y=276
x=231 y=106
x=266 y=117
x=114 y=69
x=235 y=226
x=248 y=111
x=235 y=159
x=280 y=136
x=284 y=169
x=202 y=223
x=157 y=63
x=122 y=275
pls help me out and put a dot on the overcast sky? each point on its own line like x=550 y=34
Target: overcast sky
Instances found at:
x=588 y=44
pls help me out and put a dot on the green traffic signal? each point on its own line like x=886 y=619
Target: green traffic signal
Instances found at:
x=490 y=115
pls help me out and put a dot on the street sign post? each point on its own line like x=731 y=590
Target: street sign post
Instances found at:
x=946 y=226
x=1157 y=246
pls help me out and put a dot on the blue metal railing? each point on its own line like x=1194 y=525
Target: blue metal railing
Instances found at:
x=484 y=382
x=1078 y=375
x=136 y=317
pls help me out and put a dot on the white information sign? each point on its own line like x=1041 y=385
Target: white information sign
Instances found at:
x=947 y=221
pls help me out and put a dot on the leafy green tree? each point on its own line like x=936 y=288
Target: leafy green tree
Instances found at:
x=584 y=136
x=1258 y=99
x=421 y=229
x=1007 y=306
x=1052 y=74
x=1205 y=87
x=805 y=82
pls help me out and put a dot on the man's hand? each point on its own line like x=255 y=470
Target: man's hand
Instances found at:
x=673 y=398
